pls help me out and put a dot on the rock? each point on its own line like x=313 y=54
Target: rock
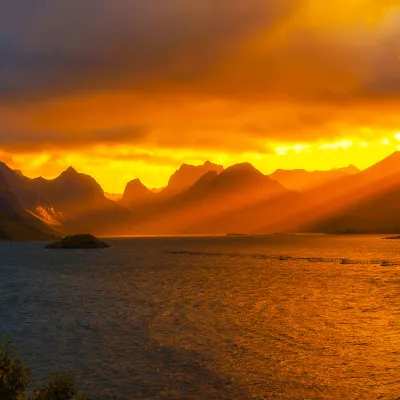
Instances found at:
x=82 y=241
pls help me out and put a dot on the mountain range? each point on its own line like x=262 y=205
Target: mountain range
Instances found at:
x=301 y=180
x=22 y=220
x=205 y=199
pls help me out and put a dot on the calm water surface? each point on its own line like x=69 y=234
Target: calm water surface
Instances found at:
x=137 y=322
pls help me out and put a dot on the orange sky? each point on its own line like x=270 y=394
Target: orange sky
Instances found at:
x=137 y=89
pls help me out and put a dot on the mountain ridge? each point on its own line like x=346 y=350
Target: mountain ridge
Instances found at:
x=135 y=193
x=302 y=180
x=187 y=175
x=212 y=199
x=213 y=194
x=16 y=223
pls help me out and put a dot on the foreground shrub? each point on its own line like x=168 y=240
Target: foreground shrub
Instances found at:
x=58 y=387
x=15 y=379
x=14 y=373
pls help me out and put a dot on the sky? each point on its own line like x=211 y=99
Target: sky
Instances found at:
x=128 y=89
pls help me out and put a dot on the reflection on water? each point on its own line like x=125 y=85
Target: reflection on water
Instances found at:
x=138 y=322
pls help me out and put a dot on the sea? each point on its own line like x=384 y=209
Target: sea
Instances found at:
x=201 y=318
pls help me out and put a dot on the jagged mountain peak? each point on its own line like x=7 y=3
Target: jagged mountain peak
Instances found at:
x=72 y=177
x=351 y=169
x=135 y=186
x=70 y=171
x=135 y=191
x=135 y=181
x=240 y=168
x=187 y=175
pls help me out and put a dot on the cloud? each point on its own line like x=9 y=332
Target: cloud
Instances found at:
x=32 y=141
x=146 y=158
x=194 y=78
x=277 y=48
x=346 y=51
x=79 y=45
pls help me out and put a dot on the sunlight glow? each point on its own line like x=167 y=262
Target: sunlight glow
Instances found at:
x=299 y=148
x=345 y=144
x=114 y=166
x=282 y=150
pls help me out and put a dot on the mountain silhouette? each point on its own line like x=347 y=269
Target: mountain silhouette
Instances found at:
x=28 y=196
x=351 y=170
x=81 y=202
x=213 y=195
x=72 y=193
x=135 y=193
x=187 y=175
x=352 y=204
x=113 y=196
x=206 y=199
x=370 y=203
x=16 y=223
x=302 y=180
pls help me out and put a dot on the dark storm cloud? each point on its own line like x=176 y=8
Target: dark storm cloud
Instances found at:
x=48 y=45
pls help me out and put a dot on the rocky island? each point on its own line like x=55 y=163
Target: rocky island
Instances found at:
x=81 y=241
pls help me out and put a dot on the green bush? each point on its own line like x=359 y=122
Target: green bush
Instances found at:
x=14 y=373
x=58 y=387
x=15 y=379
